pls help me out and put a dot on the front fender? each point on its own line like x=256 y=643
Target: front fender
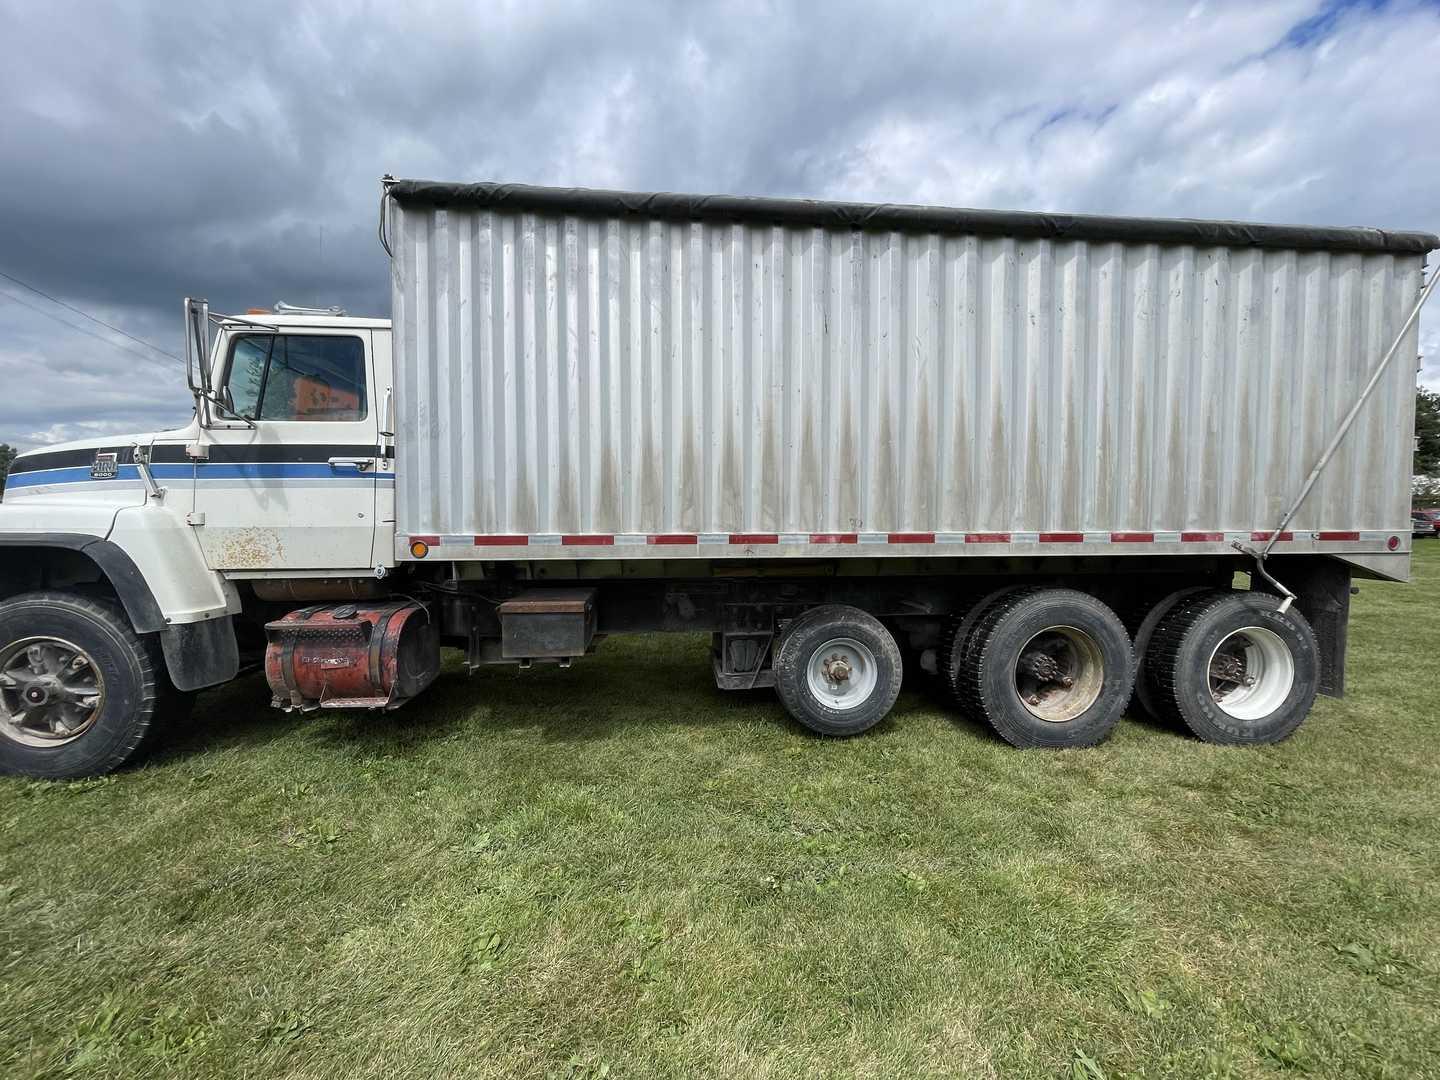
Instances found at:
x=165 y=550
x=199 y=637
x=153 y=562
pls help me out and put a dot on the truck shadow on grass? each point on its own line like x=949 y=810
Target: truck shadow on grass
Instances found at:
x=651 y=683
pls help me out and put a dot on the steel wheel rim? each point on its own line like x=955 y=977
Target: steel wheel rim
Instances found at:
x=1059 y=674
x=1251 y=672
x=51 y=692
x=842 y=673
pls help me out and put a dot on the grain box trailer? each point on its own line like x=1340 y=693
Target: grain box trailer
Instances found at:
x=1024 y=453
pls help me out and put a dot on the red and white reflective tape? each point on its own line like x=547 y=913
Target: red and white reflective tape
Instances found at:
x=983 y=540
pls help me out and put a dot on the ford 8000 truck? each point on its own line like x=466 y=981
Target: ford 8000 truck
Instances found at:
x=1024 y=453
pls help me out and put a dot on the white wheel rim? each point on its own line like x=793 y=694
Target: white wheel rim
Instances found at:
x=1058 y=674
x=1251 y=673
x=842 y=674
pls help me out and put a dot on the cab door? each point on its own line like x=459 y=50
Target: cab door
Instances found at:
x=291 y=485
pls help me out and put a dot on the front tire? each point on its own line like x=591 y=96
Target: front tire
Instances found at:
x=838 y=670
x=78 y=687
x=1233 y=669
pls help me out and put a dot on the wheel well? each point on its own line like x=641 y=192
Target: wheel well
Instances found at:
x=196 y=654
x=30 y=569
x=81 y=564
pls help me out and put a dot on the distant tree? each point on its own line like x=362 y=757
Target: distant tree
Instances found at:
x=1427 y=433
x=7 y=455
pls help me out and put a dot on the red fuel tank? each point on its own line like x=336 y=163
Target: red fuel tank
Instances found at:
x=351 y=656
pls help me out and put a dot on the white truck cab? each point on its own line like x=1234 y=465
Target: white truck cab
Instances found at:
x=306 y=484
x=283 y=472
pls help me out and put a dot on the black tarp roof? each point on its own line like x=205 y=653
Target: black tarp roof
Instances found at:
x=903 y=218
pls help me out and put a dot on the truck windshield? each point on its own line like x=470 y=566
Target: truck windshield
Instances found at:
x=309 y=377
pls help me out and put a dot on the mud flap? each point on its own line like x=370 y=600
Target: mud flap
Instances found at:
x=1322 y=593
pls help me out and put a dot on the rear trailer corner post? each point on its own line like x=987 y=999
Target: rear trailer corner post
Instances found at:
x=1328 y=454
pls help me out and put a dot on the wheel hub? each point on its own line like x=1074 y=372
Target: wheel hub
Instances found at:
x=843 y=673
x=1043 y=668
x=1059 y=674
x=1251 y=673
x=51 y=692
x=1230 y=668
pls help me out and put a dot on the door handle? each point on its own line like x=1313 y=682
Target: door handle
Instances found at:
x=360 y=463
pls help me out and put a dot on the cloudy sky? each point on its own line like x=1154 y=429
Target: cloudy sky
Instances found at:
x=154 y=150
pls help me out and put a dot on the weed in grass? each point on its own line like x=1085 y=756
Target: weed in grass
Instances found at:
x=167 y=1036
x=1376 y=961
x=1084 y=1067
x=913 y=881
x=1144 y=1002
x=1218 y=1063
x=58 y=789
x=289 y=1026
x=477 y=843
x=482 y=953
x=1289 y=1047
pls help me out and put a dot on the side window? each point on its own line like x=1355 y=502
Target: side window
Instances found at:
x=297 y=377
x=247 y=373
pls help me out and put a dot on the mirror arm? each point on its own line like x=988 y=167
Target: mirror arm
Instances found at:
x=228 y=412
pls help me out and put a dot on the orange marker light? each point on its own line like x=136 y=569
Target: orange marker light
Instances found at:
x=256 y=311
x=419 y=549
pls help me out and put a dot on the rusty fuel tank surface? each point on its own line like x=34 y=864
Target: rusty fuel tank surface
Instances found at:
x=349 y=656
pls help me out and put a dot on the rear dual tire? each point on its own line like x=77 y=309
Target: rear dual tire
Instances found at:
x=1233 y=668
x=1045 y=668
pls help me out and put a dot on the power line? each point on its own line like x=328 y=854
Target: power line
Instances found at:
x=81 y=330
x=87 y=315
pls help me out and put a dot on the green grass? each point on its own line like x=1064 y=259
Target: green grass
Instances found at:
x=618 y=870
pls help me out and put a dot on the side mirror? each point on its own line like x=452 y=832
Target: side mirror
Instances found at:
x=197 y=346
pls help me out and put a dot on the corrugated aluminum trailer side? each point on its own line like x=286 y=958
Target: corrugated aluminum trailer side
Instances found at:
x=589 y=373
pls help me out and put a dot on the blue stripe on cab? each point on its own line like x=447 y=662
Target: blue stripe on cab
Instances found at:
x=79 y=475
x=200 y=471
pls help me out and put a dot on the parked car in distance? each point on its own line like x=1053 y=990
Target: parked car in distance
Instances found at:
x=1426 y=522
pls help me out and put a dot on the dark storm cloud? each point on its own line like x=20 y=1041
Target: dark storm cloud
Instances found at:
x=151 y=152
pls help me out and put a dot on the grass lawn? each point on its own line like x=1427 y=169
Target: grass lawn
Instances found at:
x=618 y=870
